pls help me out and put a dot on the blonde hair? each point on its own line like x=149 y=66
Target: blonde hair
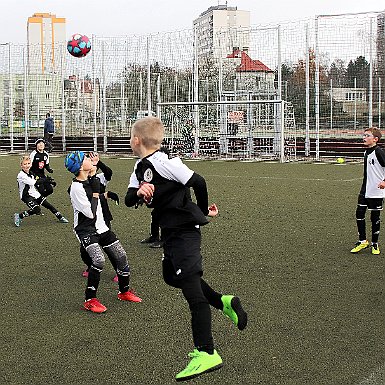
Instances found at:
x=24 y=158
x=150 y=130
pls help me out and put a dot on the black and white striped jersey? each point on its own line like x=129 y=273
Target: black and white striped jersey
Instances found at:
x=40 y=161
x=86 y=220
x=26 y=183
x=374 y=172
x=171 y=201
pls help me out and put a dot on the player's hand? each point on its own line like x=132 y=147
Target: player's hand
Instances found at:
x=381 y=185
x=49 y=169
x=94 y=156
x=213 y=210
x=95 y=184
x=51 y=181
x=146 y=191
x=113 y=196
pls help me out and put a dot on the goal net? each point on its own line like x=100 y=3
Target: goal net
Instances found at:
x=242 y=129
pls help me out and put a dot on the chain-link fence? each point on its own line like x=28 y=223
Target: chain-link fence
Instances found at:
x=276 y=90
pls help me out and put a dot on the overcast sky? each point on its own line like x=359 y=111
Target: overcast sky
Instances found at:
x=126 y=17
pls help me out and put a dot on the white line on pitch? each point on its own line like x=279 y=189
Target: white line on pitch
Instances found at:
x=283 y=178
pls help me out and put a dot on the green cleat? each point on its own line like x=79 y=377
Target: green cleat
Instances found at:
x=375 y=249
x=201 y=362
x=232 y=308
x=359 y=246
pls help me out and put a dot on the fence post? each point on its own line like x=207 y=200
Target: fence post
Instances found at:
x=317 y=89
x=282 y=123
x=370 y=112
x=149 y=107
x=10 y=98
x=95 y=134
x=196 y=93
x=63 y=106
x=26 y=106
x=379 y=102
x=307 y=75
x=104 y=102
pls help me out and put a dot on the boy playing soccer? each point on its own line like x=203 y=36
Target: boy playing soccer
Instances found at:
x=40 y=162
x=94 y=234
x=33 y=193
x=372 y=191
x=40 y=159
x=163 y=184
x=104 y=177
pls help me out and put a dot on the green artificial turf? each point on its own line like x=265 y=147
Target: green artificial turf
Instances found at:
x=281 y=243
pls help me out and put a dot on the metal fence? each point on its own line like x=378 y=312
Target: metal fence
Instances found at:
x=277 y=86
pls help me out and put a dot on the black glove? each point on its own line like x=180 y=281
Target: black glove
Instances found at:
x=113 y=196
x=44 y=187
x=95 y=184
x=51 y=181
x=49 y=169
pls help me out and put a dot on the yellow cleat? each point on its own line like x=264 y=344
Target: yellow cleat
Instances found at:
x=375 y=249
x=360 y=246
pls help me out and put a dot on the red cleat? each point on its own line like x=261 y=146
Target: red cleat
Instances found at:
x=94 y=305
x=129 y=296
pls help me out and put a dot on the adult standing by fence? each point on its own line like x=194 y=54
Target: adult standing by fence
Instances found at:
x=49 y=130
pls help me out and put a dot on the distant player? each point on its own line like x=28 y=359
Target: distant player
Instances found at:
x=94 y=234
x=40 y=163
x=372 y=191
x=40 y=159
x=49 y=130
x=164 y=184
x=33 y=192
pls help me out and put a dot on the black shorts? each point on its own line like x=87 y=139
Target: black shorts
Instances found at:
x=33 y=204
x=106 y=239
x=182 y=248
x=373 y=204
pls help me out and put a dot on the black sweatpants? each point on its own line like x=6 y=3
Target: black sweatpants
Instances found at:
x=199 y=296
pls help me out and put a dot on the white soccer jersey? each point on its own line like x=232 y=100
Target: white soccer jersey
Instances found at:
x=170 y=169
x=374 y=172
x=82 y=208
x=26 y=183
x=171 y=202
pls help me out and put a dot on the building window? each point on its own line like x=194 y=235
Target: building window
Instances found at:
x=47 y=96
x=47 y=82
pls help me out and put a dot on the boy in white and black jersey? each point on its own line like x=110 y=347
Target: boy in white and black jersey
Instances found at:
x=92 y=231
x=164 y=184
x=33 y=192
x=40 y=159
x=372 y=191
x=104 y=177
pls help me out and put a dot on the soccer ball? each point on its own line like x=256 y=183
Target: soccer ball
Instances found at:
x=340 y=160
x=79 y=45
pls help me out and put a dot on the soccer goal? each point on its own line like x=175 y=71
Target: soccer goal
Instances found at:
x=230 y=129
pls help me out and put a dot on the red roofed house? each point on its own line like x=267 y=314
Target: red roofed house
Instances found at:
x=252 y=74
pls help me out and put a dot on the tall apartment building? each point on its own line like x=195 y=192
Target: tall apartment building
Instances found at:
x=46 y=45
x=220 y=30
x=46 y=38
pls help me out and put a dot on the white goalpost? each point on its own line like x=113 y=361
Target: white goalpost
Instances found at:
x=239 y=129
